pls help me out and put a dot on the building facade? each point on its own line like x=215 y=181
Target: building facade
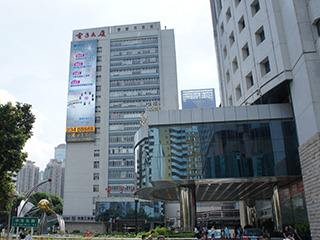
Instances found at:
x=28 y=177
x=198 y=98
x=60 y=152
x=135 y=69
x=55 y=171
x=268 y=52
x=247 y=154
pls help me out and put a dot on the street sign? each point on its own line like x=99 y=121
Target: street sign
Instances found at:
x=24 y=222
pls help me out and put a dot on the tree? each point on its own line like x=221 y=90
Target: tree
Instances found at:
x=15 y=129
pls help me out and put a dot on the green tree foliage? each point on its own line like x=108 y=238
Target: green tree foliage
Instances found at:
x=56 y=201
x=15 y=129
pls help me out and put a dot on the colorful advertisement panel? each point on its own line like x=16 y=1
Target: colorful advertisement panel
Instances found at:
x=81 y=92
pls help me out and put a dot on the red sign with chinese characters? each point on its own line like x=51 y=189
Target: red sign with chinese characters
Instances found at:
x=90 y=34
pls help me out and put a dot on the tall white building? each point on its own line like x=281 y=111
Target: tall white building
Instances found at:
x=115 y=72
x=268 y=52
x=28 y=177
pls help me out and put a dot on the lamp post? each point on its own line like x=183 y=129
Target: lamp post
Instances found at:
x=13 y=194
x=136 y=200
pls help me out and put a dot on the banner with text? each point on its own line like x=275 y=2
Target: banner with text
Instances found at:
x=82 y=92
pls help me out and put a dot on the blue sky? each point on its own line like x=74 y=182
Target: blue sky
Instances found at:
x=35 y=48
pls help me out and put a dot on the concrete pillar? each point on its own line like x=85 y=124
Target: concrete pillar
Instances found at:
x=276 y=211
x=188 y=211
x=243 y=213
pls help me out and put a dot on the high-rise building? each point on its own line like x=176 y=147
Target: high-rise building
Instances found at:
x=268 y=52
x=115 y=74
x=60 y=152
x=55 y=171
x=28 y=177
x=198 y=98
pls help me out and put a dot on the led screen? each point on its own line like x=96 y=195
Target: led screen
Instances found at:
x=81 y=92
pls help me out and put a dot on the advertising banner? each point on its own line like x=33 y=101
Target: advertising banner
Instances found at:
x=81 y=92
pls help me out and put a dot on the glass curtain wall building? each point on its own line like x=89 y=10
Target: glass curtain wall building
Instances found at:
x=132 y=68
x=198 y=98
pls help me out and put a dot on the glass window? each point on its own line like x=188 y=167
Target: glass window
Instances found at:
x=255 y=7
x=95 y=188
x=317 y=24
x=96 y=176
x=96 y=164
x=99 y=49
x=96 y=153
x=245 y=51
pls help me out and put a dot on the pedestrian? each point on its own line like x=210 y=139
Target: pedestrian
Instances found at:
x=22 y=236
x=296 y=235
x=144 y=237
x=213 y=233
x=161 y=237
x=226 y=233
x=285 y=232
x=153 y=233
x=88 y=233
x=29 y=236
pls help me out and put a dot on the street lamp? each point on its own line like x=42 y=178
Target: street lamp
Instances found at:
x=13 y=194
x=136 y=200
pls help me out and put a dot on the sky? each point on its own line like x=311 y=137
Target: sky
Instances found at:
x=35 y=47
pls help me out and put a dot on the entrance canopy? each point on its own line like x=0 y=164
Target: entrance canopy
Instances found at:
x=217 y=189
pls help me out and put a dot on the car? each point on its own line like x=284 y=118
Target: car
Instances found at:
x=252 y=234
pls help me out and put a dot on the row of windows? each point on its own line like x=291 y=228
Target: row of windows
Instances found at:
x=121 y=138
x=135 y=41
x=125 y=115
x=121 y=162
x=124 y=126
x=127 y=72
x=126 y=104
x=137 y=51
x=121 y=174
x=137 y=92
x=120 y=150
x=133 y=61
x=134 y=28
x=264 y=69
x=146 y=81
x=126 y=187
x=255 y=7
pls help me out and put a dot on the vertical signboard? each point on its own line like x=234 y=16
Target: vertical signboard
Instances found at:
x=81 y=92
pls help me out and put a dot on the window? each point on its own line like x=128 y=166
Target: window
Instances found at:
x=260 y=36
x=225 y=52
x=93 y=212
x=235 y=65
x=99 y=68
x=237 y=2
x=127 y=29
x=98 y=98
x=143 y=27
x=96 y=164
x=238 y=92
x=97 y=130
x=99 y=58
x=96 y=153
x=99 y=49
x=230 y=101
x=228 y=14
x=151 y=26
x=98 y=78
x=135 y=27
x=249 y=80
x=318 y=26
x=98 y=88
x=231 y=39
x=265 y=66
x=97 y=120
x=241 y=24
x=96 y=176
x=222 y=28
x=96 y=188
x=97 y=142
x=255 y=7
x=228 y=76
x=118 y=29
x=98 y=108
x=245 y=51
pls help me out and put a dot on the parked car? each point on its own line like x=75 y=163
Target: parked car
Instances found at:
x=252 y=234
